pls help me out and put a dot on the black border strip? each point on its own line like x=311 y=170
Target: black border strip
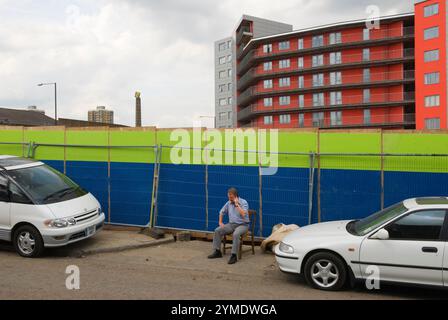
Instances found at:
x=398 y=265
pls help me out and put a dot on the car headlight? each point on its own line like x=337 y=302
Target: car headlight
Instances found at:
x=285 y=248
x=60 y=223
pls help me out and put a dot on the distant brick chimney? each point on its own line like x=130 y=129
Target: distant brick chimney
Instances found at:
x=138 y=110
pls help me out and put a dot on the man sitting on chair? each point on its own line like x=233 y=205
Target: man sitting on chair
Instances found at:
x=237 y=210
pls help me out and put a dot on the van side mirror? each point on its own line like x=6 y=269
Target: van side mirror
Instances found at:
x=382 y=234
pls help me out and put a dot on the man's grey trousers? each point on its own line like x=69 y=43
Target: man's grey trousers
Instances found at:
x=237 y=230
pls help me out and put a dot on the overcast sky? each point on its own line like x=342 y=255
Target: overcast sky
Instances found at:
x=100 y=52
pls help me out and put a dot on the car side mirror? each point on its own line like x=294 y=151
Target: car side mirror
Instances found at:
x=382 y=234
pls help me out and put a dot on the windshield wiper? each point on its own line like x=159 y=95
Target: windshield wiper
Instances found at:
x=59 y=193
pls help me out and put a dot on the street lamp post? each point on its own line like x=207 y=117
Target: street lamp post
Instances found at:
x=55 y=100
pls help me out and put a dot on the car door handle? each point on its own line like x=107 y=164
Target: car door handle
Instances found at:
x=430 y=249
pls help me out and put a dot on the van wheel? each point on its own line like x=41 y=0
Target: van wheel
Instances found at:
x=325 y=271
x=28 y=242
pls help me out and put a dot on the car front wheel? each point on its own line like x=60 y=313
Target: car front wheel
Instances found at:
x=28 y=242
x=325 y=271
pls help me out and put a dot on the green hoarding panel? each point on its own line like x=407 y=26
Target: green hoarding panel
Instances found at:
x=87 y=138
x=296 y=142
x=46 y=136
x=12 y=135
x=350 y=142
x=126 y=137
x=416 y=143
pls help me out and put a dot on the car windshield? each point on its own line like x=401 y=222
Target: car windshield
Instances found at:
x=364 y=226
x=46 y=185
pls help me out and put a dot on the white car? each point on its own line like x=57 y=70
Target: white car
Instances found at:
x=406 y=243
x=40 y=207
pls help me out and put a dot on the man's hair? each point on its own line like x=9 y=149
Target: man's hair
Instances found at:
x=233 y=191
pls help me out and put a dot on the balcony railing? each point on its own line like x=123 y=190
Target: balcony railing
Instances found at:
x=347 y=60
x=345 y=102
x=310 y=85
x=329 y=121
x=349 y=40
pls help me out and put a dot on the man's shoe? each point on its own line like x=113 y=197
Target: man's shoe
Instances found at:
x=216 y=254
x=233 y=259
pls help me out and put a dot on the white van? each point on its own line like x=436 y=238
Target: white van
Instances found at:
x=41 y=207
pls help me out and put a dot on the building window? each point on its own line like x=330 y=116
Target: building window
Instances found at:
x=318 y=100
x=366 y=34
x=222 y=88
x=285 y=118
x=336 y=118
x=366 y=54
x=366 y=75
x=222 y=102
x=318 y=60
x=267 y=84
x=431 y=10
x=229 y=87
x=318 y=119
x=300 y=44
x=222 y=74
x=267 y=102
x=222 y=46
x=284 y=45
x=318 y=41
x=431 y=33
x=223 y=116
x=267 y=66
x=284 y=82
x=267 y=48
x=335 y=78
x=432 y=101
x=301 y=82
x=367 y=117
x=432 y=78
x=335 y=38
x=318 y=80
x=229 y=101
x=268 y=120
x=222 y=60
x=300 y=63
x=366 y=96
x=229 y=73
x=432 y=55
x=432 y=123
x=229 y=44
x=286 y=63
x=301 y=101
x=229 y=58
x=335 y=58
x=285 y=100
x=301 y=120
x=335 y=98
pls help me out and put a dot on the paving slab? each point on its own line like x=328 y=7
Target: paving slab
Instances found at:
x=111 y=241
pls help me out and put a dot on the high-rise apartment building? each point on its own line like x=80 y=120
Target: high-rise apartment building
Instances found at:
x=224 y=83
x=101 y=114
x=343 y=75
x=225 y=66
x=431 y=64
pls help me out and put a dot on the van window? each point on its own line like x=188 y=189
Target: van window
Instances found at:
x=3 y=189
x=17 y=195
x=46 y=185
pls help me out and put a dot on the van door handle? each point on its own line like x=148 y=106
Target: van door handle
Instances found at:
x=430 y=249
